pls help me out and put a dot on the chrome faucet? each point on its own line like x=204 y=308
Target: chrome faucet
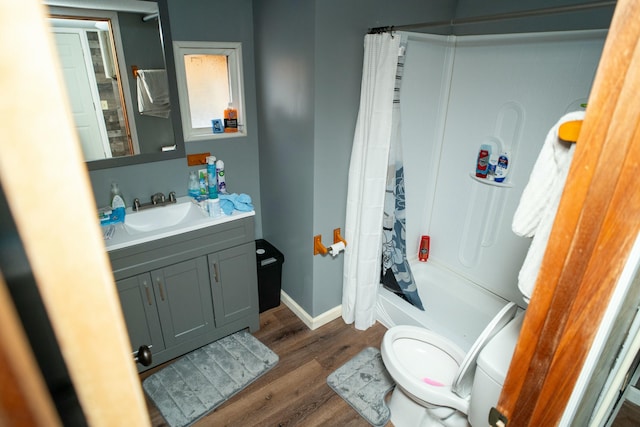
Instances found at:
x=157 y=199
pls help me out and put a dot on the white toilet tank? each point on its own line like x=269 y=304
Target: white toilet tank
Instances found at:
x=493 y=363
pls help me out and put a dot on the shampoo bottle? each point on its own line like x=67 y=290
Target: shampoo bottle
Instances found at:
x=482 y=164
x=212 y=181
x=230 y=119
x=502 y=168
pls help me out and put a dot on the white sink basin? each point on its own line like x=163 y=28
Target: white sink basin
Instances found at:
x=160 y=217
x=164 y=221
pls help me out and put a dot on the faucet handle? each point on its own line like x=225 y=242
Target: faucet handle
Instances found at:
x=136 y=204
x=172 y=197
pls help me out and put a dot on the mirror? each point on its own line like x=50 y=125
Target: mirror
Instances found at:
x=100 y=45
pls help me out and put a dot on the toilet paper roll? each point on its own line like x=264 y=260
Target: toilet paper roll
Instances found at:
x=336 y=248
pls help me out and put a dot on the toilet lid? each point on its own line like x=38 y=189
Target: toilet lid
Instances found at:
x=464 y=378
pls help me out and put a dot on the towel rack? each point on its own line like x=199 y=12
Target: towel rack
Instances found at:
x=569 y=131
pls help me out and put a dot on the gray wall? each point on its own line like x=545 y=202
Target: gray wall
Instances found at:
x=309 y=66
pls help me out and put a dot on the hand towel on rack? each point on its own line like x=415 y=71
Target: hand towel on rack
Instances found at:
x=539 y=202
x=153 y=93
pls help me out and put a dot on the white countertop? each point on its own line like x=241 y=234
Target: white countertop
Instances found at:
x=121 y=238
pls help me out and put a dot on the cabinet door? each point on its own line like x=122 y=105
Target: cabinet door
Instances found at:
x=234 y=283
x=140 y=312
x=184 y=300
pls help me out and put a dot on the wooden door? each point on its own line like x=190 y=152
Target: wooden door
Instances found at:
x=42 y=162
x=596 y=225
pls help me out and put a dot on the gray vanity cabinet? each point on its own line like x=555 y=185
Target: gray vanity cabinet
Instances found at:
x=181 y=292
x=183 y=297
x=140 y=312
x=233 y=296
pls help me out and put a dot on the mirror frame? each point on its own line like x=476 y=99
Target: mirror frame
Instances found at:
x=176 y=121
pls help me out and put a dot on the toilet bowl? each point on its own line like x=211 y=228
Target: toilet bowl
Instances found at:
x=433 y=376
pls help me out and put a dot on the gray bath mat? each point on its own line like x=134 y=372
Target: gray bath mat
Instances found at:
x=364 y=382
x=202 y=380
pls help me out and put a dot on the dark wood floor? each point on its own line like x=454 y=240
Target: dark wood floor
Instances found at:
x=295 y=391
x=629 y=416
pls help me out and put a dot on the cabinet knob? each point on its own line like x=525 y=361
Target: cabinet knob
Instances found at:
x=143 y=356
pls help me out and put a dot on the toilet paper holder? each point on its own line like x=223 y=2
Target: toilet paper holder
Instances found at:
x=319 y=248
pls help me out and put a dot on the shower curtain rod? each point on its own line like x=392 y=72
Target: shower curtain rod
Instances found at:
x=496 y=17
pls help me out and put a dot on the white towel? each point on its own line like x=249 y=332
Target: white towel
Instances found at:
x=153 y=93
x=540 y=199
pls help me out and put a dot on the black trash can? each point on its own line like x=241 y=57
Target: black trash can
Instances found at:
x=269 y=262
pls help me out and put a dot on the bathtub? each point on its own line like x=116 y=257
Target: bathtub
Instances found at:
x=453 y=306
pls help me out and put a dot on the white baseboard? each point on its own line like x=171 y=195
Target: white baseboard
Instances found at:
x=311 y=322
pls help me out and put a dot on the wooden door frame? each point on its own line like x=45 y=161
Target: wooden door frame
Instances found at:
x=46 y=184
x=597 y=223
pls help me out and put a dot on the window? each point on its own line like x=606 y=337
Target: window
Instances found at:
x=209 y=78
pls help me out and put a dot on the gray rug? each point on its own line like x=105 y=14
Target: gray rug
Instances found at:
x=202 y=380
x=364 y=382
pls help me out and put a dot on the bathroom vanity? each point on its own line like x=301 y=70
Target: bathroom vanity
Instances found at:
x=187 y=288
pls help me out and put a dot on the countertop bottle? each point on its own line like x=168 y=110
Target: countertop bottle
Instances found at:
x=117 y=201
x=222 y=182
x=193 y=186
x=212 y=177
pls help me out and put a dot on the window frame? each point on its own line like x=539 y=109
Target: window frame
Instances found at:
x=233 y=51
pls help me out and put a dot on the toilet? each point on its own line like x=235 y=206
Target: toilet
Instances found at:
x=437 y=383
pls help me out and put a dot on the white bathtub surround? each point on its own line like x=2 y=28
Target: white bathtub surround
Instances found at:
x=454 y=307
x=540 y=199
x=459 y=92
x=367 y=179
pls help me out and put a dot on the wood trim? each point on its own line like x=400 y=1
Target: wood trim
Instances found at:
x=597 y=222
x=47 y=186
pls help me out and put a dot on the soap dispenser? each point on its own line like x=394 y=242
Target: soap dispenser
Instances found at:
x=118 y=208
x=117 y=201
x=193 y=186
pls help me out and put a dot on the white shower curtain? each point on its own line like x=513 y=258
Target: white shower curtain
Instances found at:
x=367 y=180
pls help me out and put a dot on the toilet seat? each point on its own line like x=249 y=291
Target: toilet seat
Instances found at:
x=464 y=380
x=456 y=380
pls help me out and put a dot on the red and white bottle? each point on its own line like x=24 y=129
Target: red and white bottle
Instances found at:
x=423 y=252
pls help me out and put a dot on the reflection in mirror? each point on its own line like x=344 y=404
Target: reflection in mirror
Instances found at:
x=86 y=54
x=98 y=49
